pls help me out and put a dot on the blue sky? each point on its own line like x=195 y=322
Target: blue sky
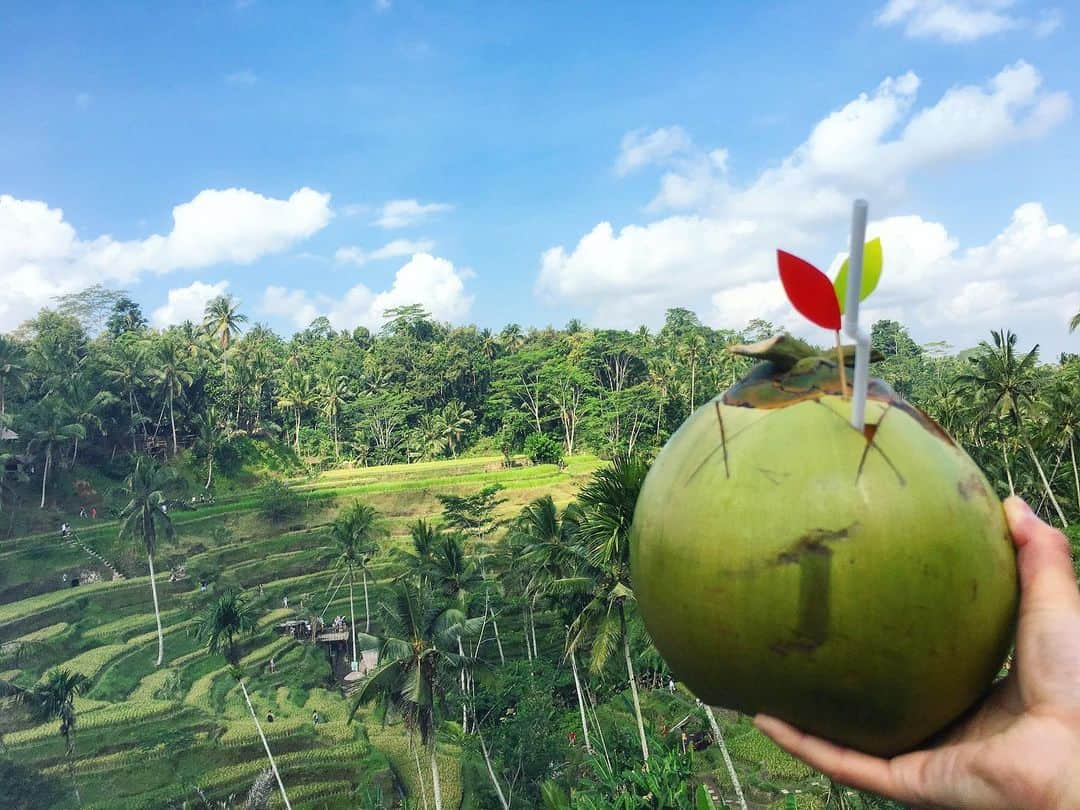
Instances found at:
x=522 y=128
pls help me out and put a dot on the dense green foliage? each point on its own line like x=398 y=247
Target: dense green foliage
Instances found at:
x=512 y=665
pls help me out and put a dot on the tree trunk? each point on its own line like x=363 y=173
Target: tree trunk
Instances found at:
x=209 y=470
x=1076 y=473
x=525 y=630
x=633 y=685
x=419 y=773
x=436 y=787
x=727 y=757
x=75 y=452
x=491 y=773
x=1046 y=484
x=461 y=678
x=580 y=700
x=297 y=430
x=45 y=473
x=352 y=616
x=532 y=625
x=172 y=422
x=498 y=641
x=266 y=746
x=367 y=606
x=157 y=613
x=1008 y=470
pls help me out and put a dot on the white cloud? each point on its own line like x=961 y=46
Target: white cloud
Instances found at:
x=639 y=148
x=187 y=303
x=242 y=78
x=719 y=246
x=351 y=254
x=402 y=213
x=41 y=255
x=962 y=20
x=425 y=279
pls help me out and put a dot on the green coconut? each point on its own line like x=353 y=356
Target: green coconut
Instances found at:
x=860 y=585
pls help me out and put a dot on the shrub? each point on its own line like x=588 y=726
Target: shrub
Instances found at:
x=278 y=502
x=542 y=449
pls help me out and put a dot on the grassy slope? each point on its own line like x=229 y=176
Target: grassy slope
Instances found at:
x=147 y=735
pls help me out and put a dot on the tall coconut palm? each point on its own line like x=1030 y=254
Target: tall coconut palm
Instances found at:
x=549 y=550
x=85 y=406
x=11 y=359
x=145 y=520
x=335 y=391
x=1074 y=322
x=414 y=662
x=457 y=419
x=419 y=559
x=211 y=435
x=229 y=616
x=128 y=367
x=56 y=430
x=296 y=391
x=607 y=512
x=356 y=532
x=223 y=321
x=457 y=577
x=1008 y=384
x=172 y=374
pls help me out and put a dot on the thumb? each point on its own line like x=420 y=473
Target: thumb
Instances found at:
x=1047 y=579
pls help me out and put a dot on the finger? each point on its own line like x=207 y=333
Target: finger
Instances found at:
x=860 y=771
x=1047 y=579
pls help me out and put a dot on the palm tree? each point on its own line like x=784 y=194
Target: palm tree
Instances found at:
x=356 y=532
x=413 y=663
x=296 y=391
x=222 y=320
x=1074 y=323
x=1008 y=384
x=457 y=419
x=210 y=436
x=53 y=698
x=419 y=559
x=229 y=616
x=692 y=351
x=173 y=376
x=86 y=406
x=607 y=512
x=549 y=549
x=457 y=577
x=335 y=391
x=144 y=519
x=226 y=618
x=128 y=369
x=54 y=433
x=432 y=431
x=10 y=368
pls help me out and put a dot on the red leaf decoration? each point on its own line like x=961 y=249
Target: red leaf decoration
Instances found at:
x=809 y=291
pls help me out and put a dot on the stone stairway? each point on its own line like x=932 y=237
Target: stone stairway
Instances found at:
x=74 y=540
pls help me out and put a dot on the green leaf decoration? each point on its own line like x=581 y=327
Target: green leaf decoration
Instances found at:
x=871 y=273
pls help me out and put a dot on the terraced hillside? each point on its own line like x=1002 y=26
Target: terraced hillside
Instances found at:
x=147 y=736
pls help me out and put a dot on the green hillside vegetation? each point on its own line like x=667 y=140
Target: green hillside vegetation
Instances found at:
x=450 y=479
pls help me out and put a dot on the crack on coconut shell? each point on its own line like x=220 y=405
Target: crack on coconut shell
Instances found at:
x=723 y=438
x=869 y=436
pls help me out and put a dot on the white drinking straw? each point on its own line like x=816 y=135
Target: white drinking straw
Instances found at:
x=851 y=315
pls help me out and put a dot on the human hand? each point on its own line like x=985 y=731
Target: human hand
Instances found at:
x=1021 y=746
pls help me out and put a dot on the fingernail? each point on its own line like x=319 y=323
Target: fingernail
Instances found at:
x=1016 y=509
